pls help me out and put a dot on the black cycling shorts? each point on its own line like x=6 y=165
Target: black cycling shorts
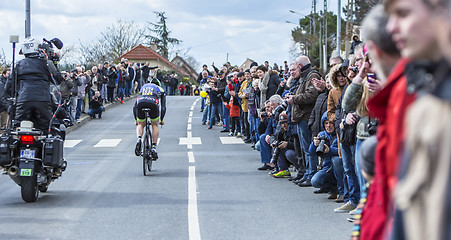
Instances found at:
x=140 y=115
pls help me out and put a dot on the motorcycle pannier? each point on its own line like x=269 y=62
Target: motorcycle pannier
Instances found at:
x=53 y=151
x=5 y=150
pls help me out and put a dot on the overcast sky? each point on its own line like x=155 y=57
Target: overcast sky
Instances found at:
x=255 y=29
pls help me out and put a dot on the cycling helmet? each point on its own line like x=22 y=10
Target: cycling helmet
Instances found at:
x=156 y=82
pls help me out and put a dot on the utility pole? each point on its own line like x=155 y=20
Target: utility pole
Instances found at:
x=349 y=23
x=27 y=19
x=339 y=27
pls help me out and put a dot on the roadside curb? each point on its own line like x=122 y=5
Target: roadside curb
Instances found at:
x=86 y=118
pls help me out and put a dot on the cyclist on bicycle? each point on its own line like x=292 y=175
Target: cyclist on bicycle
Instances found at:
x=150 y=96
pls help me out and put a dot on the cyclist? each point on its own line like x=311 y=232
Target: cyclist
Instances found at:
x=151 y=96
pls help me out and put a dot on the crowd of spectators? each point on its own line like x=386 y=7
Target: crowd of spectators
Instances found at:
x=110 y=83
x=371 y=132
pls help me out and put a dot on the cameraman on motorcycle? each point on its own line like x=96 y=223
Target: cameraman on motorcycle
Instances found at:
x=34 y=101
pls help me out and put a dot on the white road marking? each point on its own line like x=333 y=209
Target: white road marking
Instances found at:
x=193 y=217
x=191 y=157
x=108 y=143
x=192 y=108
x=190 y=114
x=190 y=140
x=190 y=120
x=158 y=141
x=71 y=143
x=231 y=140
x=189 y=127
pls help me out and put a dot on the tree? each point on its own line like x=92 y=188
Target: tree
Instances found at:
x=362 y=8
x=161 y=38
x=116 y=40
x=4 y=63
x=309 y=41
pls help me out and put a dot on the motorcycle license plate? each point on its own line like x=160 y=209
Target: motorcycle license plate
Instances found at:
x=27 y=153
x=26 y=172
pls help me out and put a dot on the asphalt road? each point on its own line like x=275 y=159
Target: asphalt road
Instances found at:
x=206 y=190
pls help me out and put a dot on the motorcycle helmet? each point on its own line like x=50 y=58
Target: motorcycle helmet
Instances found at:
x=30 y=46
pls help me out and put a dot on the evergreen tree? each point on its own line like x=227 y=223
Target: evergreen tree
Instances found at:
x=161 y=37
x=362 y=8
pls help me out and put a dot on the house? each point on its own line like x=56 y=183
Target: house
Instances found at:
x=247 y=63
x=141 y=54
x=184 y=66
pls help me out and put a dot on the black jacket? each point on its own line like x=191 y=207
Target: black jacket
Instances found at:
x=273 y=85
x=320 y=108
x=95 y=104
x=33 y=80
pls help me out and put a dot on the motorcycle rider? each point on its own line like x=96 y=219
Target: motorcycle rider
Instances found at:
x=33 y=73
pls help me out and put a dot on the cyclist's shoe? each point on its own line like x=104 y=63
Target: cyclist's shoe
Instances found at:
x=153 y=152
x=138 y=148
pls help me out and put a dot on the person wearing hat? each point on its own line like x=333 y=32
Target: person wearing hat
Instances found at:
x=325 y=179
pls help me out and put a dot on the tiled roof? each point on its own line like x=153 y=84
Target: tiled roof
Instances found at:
x=141 y=52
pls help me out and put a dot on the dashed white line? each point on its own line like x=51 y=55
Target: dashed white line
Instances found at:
x=108 y=143
x=191 y=157
x=190 y=114
x=190 y=120
x=189 y=127
x=192 y=108
x=71 y=143
x=193 y=217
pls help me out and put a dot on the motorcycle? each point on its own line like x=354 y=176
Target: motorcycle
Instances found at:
x=32 y=159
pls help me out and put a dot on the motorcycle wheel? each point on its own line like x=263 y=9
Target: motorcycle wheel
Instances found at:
x=29 y=188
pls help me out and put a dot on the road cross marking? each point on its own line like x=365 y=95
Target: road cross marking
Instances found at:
x=193 y=217
x=190 y=140
x=108 y=143
x=71 y=143
x=231 y=140
x=189 y=127
x=191 y=157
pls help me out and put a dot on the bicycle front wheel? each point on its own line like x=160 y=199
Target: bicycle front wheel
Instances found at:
x=147 y=163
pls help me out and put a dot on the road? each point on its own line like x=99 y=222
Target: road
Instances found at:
x=200 y=188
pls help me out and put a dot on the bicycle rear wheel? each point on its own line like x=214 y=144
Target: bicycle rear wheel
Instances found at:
x=147 y=144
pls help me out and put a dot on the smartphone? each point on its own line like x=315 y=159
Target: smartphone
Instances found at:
x=370 y=77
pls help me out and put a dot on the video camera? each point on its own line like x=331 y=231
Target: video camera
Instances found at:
x=47 y=47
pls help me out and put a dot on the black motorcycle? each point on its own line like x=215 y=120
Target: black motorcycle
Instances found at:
x=32 y=159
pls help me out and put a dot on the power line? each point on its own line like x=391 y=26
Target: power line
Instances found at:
x=243 y=32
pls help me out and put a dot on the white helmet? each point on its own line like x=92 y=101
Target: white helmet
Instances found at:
x=30 y=46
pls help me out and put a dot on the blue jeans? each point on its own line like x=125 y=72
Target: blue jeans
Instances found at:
x=121 y=93
x=325 y=179
x=350 y=181
x=286 y=157
x=214 y=115
x=226 y=117
x=305 y=138
x=202 y=103
x=129 y=88
x=360 y=178
x=337 y=164
x=93 y=112
x=253 y=127
x=265 y=150
x=206 y=115
x=78 y=112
